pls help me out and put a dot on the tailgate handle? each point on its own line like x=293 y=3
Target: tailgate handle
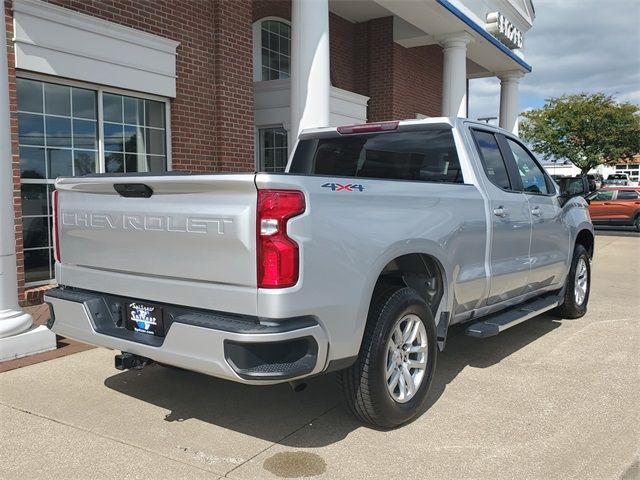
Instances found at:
x=135 y=190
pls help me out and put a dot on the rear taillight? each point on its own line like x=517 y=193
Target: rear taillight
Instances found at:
x=278 y=256
x=56 y=233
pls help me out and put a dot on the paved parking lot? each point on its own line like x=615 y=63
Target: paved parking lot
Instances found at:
x=544 y=400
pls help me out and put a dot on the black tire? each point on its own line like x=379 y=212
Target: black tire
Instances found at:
x=636 y=222
x=364 y=384
x=572 y=308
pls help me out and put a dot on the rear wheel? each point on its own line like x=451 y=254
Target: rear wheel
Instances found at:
x=388 y=384
x=636 y=222
x=578 y=285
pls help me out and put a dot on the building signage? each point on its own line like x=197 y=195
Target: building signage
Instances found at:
x=501 y=27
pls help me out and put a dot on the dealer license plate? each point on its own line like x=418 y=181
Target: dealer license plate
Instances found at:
x=145 y=318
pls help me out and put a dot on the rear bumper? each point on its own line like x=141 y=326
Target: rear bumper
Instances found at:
x=228 y=346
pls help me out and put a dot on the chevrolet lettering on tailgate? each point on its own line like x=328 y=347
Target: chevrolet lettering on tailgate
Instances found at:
x=157 y=223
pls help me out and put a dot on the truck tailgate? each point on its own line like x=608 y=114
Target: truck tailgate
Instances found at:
x=193 y=228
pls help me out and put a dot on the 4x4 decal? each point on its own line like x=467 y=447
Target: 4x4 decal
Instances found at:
x=349 y=187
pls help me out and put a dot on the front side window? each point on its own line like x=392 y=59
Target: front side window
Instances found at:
x=273 y=149
x=533 y=178
x=601 y=195
x=60 y=134
x=428 y=155
x=491 y=159
x=275 y=37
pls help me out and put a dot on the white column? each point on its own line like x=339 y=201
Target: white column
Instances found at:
x=509 y=100
x=18 y=335
x=454 y=74
x=310 y=77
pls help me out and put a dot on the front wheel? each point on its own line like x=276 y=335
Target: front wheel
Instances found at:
x=388 y=384
x=578 y=285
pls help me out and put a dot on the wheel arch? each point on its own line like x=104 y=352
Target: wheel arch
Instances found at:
x=424 y=269
x=587 y=240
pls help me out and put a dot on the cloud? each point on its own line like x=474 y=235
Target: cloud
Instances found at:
x=574 y=46
x=484 y=97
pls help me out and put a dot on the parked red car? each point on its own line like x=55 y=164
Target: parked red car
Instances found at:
x=615 y=206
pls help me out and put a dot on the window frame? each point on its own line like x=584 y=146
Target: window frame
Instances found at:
x=464 y=175
x=257 y=48
x=514 y=180
x=258 y=146
x=100 y=90
x=511 y=159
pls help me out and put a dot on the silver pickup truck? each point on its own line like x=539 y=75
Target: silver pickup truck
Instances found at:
x=358 y=259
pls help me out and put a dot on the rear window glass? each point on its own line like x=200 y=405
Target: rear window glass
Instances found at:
x=427 y=155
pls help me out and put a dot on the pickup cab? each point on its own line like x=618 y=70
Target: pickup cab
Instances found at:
x=357 y=259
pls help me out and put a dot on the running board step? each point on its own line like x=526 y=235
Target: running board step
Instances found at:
x=496 y=323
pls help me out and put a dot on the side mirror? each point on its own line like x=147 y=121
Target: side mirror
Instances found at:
x=572 y=187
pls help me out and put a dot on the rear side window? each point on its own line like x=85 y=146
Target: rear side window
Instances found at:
x=427 y=155
x=627 y=195
x=492 y=160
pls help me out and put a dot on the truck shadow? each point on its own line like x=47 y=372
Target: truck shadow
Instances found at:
x=272 y=413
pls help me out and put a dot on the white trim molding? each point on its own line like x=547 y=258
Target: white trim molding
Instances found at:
x=57 y=41
x=272 y=106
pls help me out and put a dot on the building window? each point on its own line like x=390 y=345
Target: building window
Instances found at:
x=66 y=130
x=275 y=43
x=273 y=149
x=134 y=134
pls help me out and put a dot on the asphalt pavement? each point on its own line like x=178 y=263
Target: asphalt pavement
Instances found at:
x=547 y=399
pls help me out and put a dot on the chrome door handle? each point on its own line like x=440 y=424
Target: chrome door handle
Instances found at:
x=501 y=211
x=536 y=211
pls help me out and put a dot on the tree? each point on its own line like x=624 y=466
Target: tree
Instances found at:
x=587 y=129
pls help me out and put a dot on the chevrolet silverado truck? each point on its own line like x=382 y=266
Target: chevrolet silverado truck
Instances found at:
x=357 y=259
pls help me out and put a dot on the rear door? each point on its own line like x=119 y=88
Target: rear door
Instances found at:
x=550 y=234
x=625 y=205
x=510 y=222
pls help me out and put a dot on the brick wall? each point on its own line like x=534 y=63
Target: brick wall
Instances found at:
x=417 y=81
x=15 y=160
x=233 y=126
x=401 y=82
x=374 y=67
x=271 y=8
x=342 y=34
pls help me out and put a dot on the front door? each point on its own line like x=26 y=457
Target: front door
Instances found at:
x=550 y=234
x=600 y=205
x=510 y=223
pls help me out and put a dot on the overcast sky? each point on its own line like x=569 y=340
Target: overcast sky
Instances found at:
x=573 y=46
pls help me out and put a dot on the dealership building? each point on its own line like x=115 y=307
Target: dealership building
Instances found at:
x=218 y=86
